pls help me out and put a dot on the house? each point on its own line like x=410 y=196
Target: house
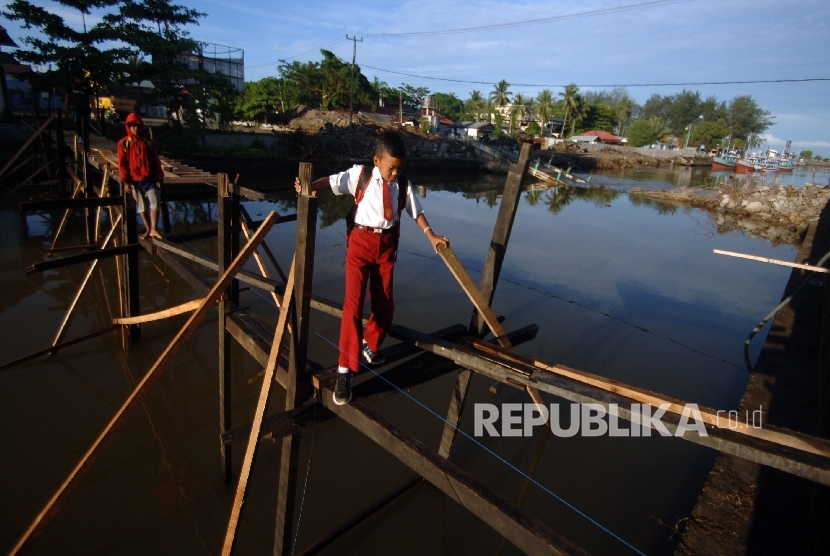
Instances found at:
x=597 y=136
x=476 y=130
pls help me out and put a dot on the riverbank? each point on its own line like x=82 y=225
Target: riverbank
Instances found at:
x=778 y=214
x=746 y=508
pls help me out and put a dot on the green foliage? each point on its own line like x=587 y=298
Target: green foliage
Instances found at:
x=572 y=106
x=425 y=124
x=746 y=118
x=499 y=121
x=640 y=133
x=710 y=134
x=533 y=128
x=597 y=116
x=323 y=85
x=806 y=155
x=544 y=106
x=474 y=106
x=261 y=100
x=413 y=97
x=448 y=105
x=501 y=94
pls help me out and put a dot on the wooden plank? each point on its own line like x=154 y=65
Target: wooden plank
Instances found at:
x=247 y=227
x=804 y=458
x=55 y=348
x=159 y=315
x=84 y=465
x=70 y=204
x=809 y=267
x=526 y=532
x=102 y=252
x=259 y=414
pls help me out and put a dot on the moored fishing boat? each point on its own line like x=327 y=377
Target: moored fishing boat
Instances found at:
x=725 y=162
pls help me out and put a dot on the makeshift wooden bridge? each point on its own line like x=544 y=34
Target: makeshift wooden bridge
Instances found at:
x=499 y=159
x=283 y=354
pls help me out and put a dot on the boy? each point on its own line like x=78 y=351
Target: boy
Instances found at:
x=371 y=251
x=141 y=171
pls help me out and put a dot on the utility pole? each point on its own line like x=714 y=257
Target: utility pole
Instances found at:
x=351 y=89
x=400 y=104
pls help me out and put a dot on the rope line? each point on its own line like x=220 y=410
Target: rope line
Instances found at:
x=492 y=453
x=305 y=484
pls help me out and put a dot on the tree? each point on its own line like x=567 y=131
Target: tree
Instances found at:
x=598 y=116
x=500 y=95
x=533 y=128
x=806 y=155
x=474 y=105
x=260 y=100
x=324 y=85
x=521 y=105
x=658 y=129
x=640 y=133
x=544 y=107
x=413 y=97
x=571 y=104
x=449 y=105
x=710 y=134
x=747 y=119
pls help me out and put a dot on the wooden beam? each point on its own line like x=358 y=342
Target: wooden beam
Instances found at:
x=259 y=414
x=70 y=204
x=75 y=192
x=85 y=464
x=55 y=348
x=809 y=267
x=28 y=142
x=98 y=254
x=526 y=532
x=188 y=307
x=501 y=232
x=226 y=245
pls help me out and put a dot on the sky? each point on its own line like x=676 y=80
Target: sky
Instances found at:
x=590 y=43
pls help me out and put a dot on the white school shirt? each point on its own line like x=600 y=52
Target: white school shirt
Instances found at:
x=370 y=209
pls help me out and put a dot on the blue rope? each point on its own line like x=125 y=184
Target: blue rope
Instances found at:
x=494 y=454
x=458 y=430
x=305 y=484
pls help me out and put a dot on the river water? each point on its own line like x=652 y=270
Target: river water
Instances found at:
x=622 y=287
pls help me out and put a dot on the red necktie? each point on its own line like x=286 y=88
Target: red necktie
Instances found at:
x=387 y=202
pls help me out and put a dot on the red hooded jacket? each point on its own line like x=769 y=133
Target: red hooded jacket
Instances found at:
x=138 y=159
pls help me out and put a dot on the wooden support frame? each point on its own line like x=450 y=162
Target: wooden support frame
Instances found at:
x=129 y=266
x=71 y=204
x=101 y=252
x=28 y=142
x=811 y=268
x=84 y=465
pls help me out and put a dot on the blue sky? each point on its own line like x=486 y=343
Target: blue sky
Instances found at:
x=671 y=42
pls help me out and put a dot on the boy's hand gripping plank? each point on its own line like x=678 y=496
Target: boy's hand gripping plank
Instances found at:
x=482 y=307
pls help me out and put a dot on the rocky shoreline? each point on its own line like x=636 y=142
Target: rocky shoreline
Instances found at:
x=780 y=214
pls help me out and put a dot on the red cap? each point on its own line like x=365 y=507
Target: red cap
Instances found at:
x=134 y=118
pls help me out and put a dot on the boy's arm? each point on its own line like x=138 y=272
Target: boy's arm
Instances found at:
x=320 y=184
x=433 y=238
x=124 y=166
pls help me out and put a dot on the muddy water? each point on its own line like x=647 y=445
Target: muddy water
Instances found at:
x=619 y=287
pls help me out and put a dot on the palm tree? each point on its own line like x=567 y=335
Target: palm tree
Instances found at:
x=571 y=101
x=520 y=104
x=658 y=129
x=544 y=107
x=474 y=104
x=500 y=95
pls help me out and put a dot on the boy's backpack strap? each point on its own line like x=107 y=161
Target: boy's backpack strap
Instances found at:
x=362 y=183
x=403 y=185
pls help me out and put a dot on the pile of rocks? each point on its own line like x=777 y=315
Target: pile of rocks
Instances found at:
x=777 y=213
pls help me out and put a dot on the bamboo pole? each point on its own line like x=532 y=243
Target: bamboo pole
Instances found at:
x=159 y=315
x=26 y=144
x=54 y=348
x=85 y=464
x=19 y=166
x=75 y=193
x=809 y=267
x=259 y=414
x=89 y=272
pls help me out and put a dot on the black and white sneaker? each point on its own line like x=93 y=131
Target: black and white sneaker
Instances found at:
x=343 y=388
x=371 y=357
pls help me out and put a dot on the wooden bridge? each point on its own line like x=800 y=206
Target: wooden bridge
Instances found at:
x=283 y=354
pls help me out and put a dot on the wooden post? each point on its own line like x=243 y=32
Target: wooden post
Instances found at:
x=228 y=245
x=61 y=145
x=297 y=386
x=501 y=234
x=89 y=190
x=132 y=304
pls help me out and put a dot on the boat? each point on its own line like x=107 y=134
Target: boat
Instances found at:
x=786 y=165
x=749 y=164
x=726 y=162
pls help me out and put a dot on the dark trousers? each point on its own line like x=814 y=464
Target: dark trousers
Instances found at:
x=370 y=258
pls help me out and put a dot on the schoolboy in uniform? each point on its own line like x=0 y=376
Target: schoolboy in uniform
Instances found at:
x=141 y=172
x=372 y=248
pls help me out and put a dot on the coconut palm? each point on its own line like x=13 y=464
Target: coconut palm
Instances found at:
x=475 y=104
x=571 y=104
x=500 y=95
x=520 y=108
x=544 y=107
x=658 y=129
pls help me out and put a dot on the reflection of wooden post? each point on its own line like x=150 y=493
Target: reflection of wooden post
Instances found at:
x=487 y=287
x=297 y=385
x=130 y=235
x=228 y=246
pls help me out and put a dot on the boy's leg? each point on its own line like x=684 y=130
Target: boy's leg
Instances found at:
x=153 y=201
x=351 y=327
x=381 y=295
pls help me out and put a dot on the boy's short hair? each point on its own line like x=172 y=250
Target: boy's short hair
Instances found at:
x=389 y=142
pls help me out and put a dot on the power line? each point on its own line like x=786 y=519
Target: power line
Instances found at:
x=606 y=85
x=577 y=15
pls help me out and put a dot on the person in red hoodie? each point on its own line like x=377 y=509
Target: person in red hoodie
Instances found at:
x=141 y=172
